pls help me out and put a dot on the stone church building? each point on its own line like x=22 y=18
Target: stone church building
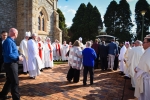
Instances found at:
x=36 y=16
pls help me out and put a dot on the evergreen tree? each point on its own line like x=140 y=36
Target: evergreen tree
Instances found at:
x=110 y=17
x=123 y=21
x=63 y=26
x=86 y=22
x=77 y=26
x=142 y=5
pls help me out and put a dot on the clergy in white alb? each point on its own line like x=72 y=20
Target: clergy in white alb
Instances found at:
x=65 y=48
x=142 y=75
x=41 y=48
x=133 y=59
x=121 y=58
x=48 y=51
x=127 y=53
x=34 y=61
x=23 y=50
x=57 y=50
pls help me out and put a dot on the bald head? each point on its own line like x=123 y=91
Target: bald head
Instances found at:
x=13 y=33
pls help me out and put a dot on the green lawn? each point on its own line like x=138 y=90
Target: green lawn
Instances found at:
x=59 y=62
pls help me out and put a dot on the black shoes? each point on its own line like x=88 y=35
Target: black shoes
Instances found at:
x=41 y=70
x=132 y=88
x=32 y=77
x=4 y=97
x=84 y=84
x=126 y=77
x=121 y=73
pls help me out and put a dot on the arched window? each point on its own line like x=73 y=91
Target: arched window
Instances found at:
x=41 y=23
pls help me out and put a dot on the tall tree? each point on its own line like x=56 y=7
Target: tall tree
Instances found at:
x=142 y=5
x=110 y=17
x=63 y=26
x=86 y=22
x=123 y=21
x=77 y=26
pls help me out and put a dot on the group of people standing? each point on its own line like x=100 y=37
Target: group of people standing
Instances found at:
x=40 y=54
x=133 y=61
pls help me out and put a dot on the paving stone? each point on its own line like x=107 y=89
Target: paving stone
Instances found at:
x=52 y=85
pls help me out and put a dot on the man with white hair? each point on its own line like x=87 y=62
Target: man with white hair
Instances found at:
x=34 y=61
x=133 y=60
x=89 y=56
x=142 y=73
x=24 y=51
x=48 y=52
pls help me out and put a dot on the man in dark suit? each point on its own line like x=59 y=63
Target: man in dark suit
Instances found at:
x=103 y=52
x=2 y=39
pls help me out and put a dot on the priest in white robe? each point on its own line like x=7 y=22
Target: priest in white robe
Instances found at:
x=34 y=61
x=57 y=50
x=121 y=59
x=142 y=76
x=127 y=53
x=133 y=60
x=48 y=51
x=41 y=49
x=23 y=50
x=65 y=48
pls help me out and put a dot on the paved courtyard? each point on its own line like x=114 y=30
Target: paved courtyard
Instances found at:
x=52 y=85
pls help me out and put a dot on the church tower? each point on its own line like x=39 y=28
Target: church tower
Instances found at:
x=36 y=16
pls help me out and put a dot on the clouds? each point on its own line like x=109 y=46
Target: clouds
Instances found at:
x=131 y=0
x=66 y=9
x=71 y=11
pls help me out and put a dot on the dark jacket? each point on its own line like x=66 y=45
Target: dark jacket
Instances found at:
x=103 y=51
x=1 y=49
x=112 y=48
x=95 y=46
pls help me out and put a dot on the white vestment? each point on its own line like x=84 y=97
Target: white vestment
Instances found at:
x=23 y=50
x=143 y=67
x=133 y=60
x=65 y=48
x=48 y=58
x=56 y=51
x=121 y=58
x=34 y=60
x=126 y=67
x=41 y=45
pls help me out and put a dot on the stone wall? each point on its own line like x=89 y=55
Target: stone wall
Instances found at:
x=8 y=13
x=24 y=18
x=23 y=15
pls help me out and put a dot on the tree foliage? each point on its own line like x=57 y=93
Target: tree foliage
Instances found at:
x=110 y=17
x=63 y=26
x=118 y=21
x=123 y=21
x=86 y=22
x=142 y=5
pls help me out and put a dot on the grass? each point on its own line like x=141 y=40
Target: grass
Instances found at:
x=60 y=62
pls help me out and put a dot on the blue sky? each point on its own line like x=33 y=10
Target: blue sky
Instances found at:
x=69 y=7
